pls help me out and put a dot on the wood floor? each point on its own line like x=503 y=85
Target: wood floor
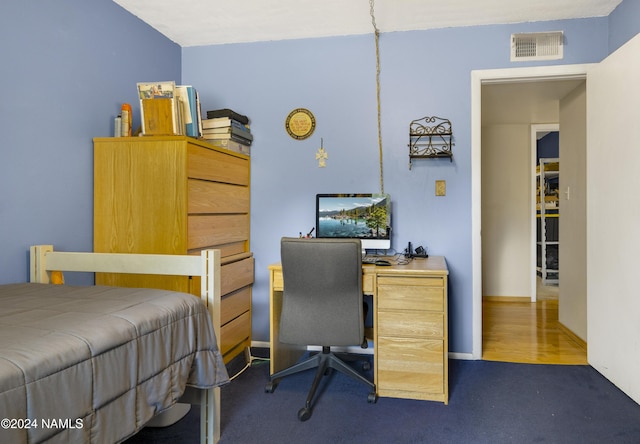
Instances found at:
x=528 y=333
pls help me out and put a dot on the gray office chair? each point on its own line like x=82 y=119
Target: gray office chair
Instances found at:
x=322 y=305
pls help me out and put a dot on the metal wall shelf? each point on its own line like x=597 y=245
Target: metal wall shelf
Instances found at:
x=430 y=138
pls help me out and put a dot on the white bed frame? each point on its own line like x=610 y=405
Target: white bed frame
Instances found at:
x=44 y=260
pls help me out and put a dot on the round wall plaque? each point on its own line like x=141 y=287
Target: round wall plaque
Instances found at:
x=300 y=123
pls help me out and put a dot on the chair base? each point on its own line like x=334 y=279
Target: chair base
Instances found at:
x=323 y=361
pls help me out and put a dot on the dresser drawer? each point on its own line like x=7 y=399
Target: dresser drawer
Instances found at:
x=235 y=332
x=417 y=324
x=410 y=297
x=208 y=164
x=236 y=275
x=235 y=304
x=216 y=198
x=212 y=231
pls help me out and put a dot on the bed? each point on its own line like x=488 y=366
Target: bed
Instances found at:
x=94 y=364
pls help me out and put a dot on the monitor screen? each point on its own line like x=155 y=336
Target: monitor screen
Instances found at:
x=363 y=216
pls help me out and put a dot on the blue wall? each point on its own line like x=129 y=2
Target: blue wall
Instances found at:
x=68 y=65
x=548 y=146
x=624 y=23
x=422 y=73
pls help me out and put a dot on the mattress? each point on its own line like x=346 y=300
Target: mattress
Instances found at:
x=94 y=364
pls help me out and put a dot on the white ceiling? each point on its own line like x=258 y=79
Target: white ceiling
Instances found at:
x=213 y=22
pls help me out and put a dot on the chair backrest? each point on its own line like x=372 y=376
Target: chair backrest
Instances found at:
x=322 y=299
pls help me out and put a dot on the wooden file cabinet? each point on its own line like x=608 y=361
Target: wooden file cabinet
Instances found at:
x=178 y=195
x=411 y=341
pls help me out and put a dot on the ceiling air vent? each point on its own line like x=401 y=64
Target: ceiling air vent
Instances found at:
x=536 y=46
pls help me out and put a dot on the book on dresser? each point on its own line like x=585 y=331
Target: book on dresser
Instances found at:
x=187 y=95
x=223 y=122
x=226 y=112
x=231 y=145
x=231 y=130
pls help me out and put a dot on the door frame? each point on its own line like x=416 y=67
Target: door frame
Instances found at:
x=533 y=146
x=478 y=78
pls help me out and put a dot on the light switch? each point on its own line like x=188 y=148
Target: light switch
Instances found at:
x=441 y=187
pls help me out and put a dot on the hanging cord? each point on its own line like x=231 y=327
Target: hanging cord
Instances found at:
x=376 y=34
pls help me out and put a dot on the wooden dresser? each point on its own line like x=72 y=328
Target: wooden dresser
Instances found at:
x=178 y=195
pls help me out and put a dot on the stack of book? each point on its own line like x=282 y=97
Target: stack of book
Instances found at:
x=228 y=129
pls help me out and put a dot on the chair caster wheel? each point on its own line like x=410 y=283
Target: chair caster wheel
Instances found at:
x=304 y=414
x=270 y=387
x=372 y=398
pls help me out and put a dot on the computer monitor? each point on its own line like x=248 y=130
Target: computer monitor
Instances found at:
x=363 y=216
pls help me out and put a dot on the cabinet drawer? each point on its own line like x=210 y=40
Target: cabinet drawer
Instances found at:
x=213 y=231
x=216 y=198
x=235 y=332
x=420 y=324
x=278 y=282
x=409 y=364
x=234 y=305
x=368 y=280
x=411 y=281
x=236 y=275
x=410 y=297
x=207 y=164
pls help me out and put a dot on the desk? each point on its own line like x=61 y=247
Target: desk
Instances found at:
x=410 y=333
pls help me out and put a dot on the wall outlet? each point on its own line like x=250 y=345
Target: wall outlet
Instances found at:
x=441 y=187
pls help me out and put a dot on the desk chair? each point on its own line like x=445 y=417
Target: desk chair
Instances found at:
x=322 y=306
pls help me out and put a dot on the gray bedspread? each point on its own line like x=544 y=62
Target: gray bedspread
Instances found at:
x=94 y=364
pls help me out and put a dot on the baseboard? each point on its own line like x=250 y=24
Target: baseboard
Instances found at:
x=574 y=337
x=356 y=349
x=506 y=299
x=461 y=356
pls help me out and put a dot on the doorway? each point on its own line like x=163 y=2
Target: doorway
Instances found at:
x=544 y=144
x=507 y=77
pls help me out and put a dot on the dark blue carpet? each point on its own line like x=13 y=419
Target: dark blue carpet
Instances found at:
x=490 y=402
